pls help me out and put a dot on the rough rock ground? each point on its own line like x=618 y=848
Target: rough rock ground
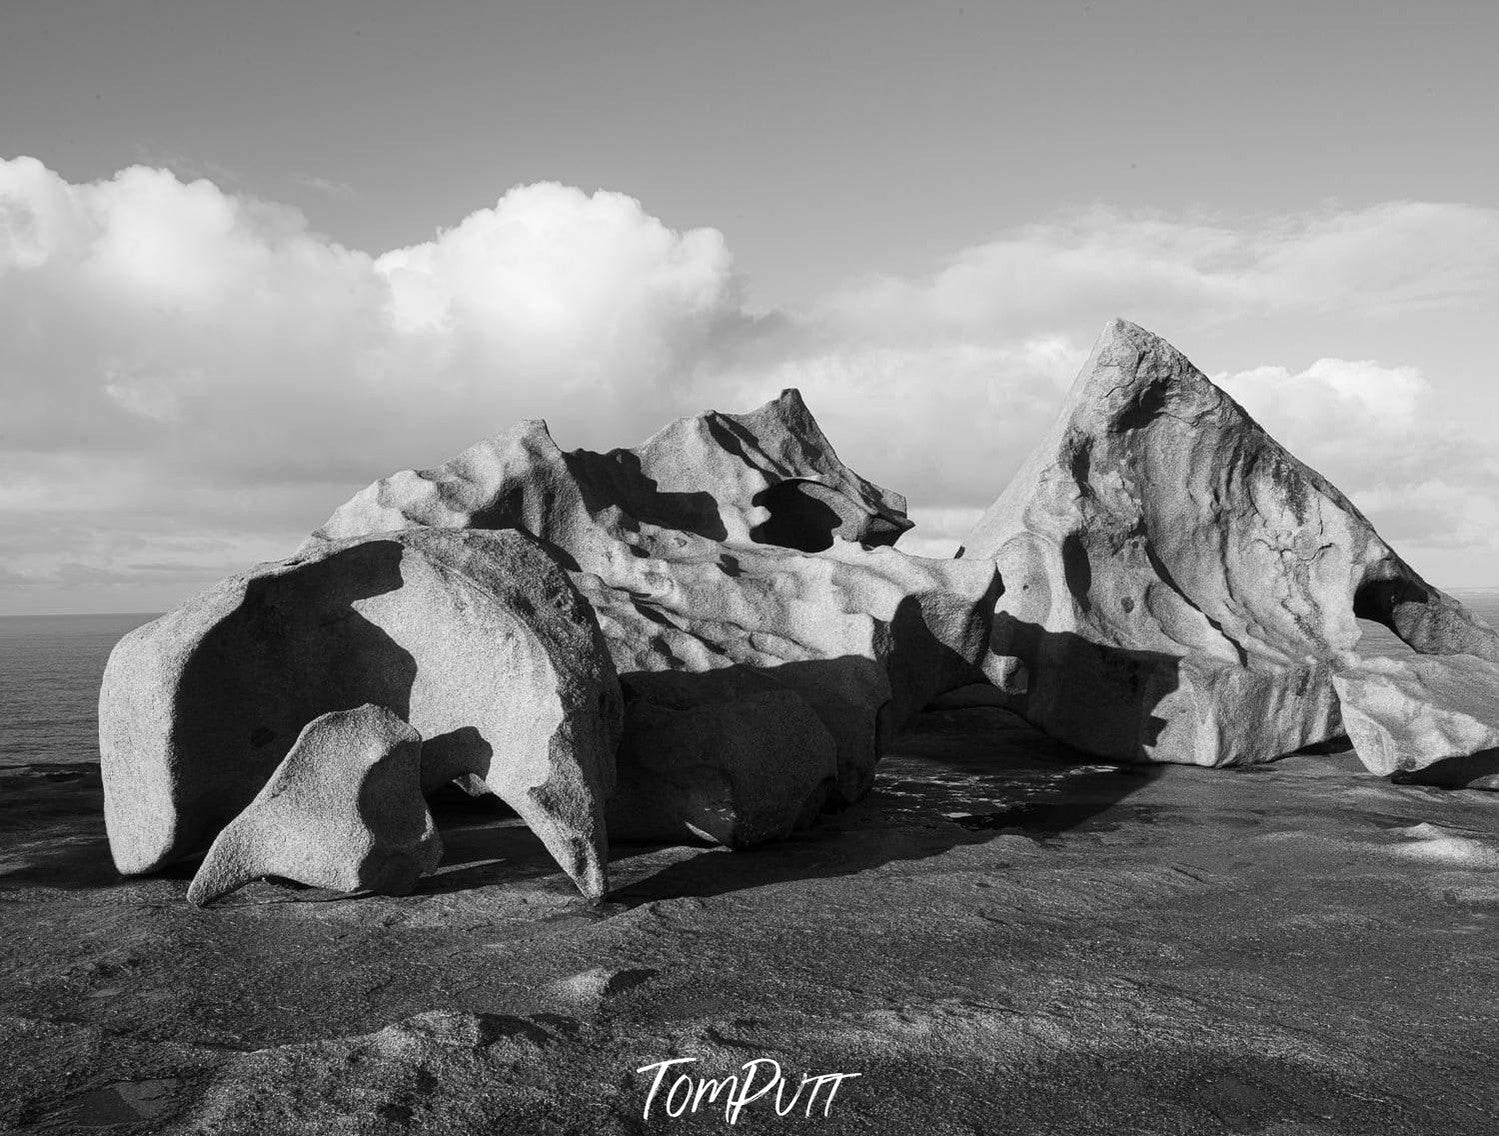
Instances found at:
x=1003 y=937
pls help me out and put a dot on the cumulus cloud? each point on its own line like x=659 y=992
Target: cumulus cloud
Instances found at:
x=175 y=358
x=190 y=378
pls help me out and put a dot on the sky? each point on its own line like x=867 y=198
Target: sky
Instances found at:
x=254 y=256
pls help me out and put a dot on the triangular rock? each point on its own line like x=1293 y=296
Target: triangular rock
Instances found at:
x=1178 y=585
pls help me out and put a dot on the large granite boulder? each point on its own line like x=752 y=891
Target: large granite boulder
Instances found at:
x=730 y=756
x=1177 y=585
x=478 y=639
x=726 y=542
x=866 y=637
x=344 y=810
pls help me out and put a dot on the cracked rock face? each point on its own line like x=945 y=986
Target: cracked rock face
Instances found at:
x=478 y=639
x=343 y=811
x=726 y=542
x=1177 y=585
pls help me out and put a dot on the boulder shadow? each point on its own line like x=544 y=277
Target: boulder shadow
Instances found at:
x=617 y=480
x=954 y=778
x=1468 y=771
x=485 y=843
x=801 y=516
x=489 y=849
x=295 y=646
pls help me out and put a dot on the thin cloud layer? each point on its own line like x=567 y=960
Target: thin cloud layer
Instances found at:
x=1040 y=278
x=191 y=379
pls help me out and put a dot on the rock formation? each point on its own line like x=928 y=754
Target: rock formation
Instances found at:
x=344 y=810
x=478 y=639
x=1428 y=714
x=725 y=541
x=1177 y=585
x=770 y=476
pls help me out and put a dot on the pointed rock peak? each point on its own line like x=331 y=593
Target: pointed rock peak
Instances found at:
x=787 y=434
x=787 y=411
x=1158 y=521
x=1120 y=339
x=769 y=476
x=1130 y=377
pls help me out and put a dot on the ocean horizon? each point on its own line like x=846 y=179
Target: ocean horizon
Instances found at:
x=51 y=666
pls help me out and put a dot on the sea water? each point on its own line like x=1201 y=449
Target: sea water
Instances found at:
x=50 y=667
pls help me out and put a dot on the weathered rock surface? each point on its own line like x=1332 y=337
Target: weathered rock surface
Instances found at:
x=726 y=541
x=344 y=810
x=478 y=639
x=436 y=1072
x=1434 y=713
x=999 y=938
x=1177 y=585
x=730 y=756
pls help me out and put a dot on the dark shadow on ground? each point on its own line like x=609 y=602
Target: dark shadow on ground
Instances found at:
x=1470 y=771
x=956 y=777
x=486 y=844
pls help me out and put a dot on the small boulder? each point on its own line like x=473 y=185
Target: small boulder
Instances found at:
x=1435 y=717
x=344 y=810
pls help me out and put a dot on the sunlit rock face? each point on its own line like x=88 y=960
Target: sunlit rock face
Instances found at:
x=1177 y=585
x=726 y=542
